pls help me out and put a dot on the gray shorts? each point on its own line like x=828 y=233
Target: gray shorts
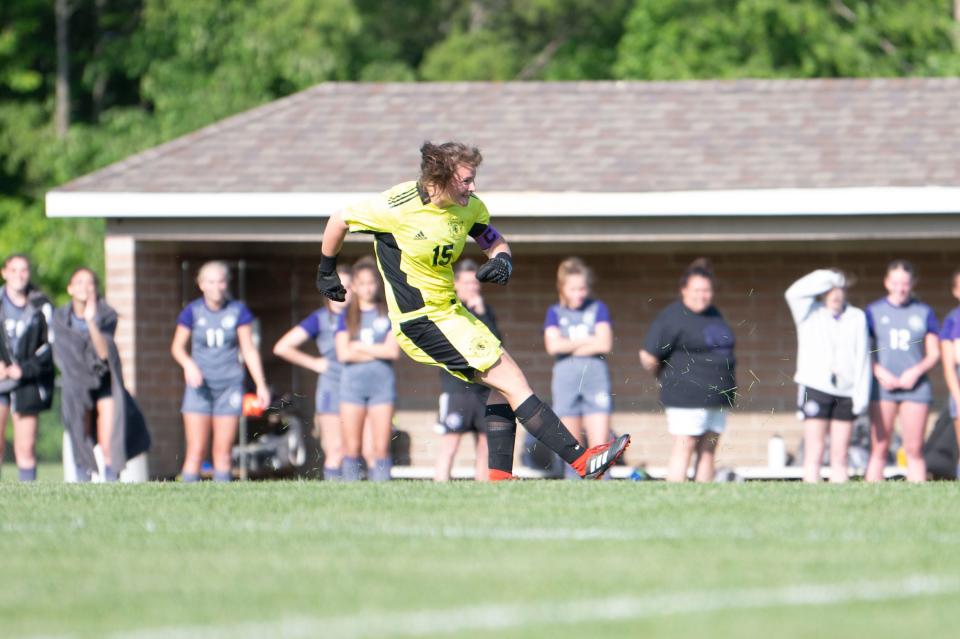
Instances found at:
x=922 y=393
x=220 y=401
x=327 y=399
x=581 y=386
x=368 y=384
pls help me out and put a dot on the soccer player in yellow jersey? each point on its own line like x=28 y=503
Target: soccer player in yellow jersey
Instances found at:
x=420 y=229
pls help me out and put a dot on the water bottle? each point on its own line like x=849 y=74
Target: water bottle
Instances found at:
x=776 y=452
x=639 y=474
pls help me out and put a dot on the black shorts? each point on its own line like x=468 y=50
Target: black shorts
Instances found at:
x=105 y=390
x=814 y=404
x=462 y=412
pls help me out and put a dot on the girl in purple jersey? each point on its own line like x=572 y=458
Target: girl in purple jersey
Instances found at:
x=906 y=348
x=950 y=350
x=321 y=326
x=26 y=361
x=367 y=348
x=216 y=328
x=578 y=334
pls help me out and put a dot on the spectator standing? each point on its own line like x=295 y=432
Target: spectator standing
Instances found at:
x=95 y=406
x=26 y=362
x=577 y=332
x=833 y=368
x=906 y=346
x=690 y=349
x=950 y=350
x=321 y=327
x=367 y=348
x=219 y=330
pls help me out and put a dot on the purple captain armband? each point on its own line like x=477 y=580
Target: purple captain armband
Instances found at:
x=487 y=238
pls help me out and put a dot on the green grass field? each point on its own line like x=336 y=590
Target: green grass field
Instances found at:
x=523 y=559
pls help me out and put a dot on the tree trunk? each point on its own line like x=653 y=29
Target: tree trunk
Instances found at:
x=62 y=113
x=100 y=80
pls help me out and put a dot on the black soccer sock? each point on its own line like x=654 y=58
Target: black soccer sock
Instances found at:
x=501 y=435
x=543 y=423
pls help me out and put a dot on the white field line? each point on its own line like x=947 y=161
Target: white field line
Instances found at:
x=478 y=533
x=512 y=616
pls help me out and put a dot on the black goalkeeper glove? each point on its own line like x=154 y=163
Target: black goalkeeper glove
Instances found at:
x=496 y=270
x=328 y=282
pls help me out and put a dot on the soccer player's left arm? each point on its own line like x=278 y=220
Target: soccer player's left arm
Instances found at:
x=489 y=240
x=500 y=265
x=501 y=246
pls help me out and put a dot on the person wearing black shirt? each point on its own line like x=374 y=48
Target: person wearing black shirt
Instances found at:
x=690 y=348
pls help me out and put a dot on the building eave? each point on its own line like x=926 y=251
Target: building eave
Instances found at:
x=736 y=203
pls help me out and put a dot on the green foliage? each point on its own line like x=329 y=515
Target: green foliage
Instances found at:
x=528 y=40
x=778 y=38
x=480 y=55
x=201 y=61
x=387 y=72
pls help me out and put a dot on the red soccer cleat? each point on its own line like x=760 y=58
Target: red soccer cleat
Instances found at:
x=594 y=462
x=499 y=475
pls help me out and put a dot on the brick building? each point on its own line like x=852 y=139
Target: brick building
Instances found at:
x=770 y=179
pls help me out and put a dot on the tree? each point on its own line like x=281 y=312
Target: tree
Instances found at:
x=687 y=39
x=527 y=40
x=62 y=119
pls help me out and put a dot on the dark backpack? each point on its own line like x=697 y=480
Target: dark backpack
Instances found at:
x=940 y=449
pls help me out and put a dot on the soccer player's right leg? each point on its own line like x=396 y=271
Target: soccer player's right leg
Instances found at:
x=538 y=418
x=501 y=436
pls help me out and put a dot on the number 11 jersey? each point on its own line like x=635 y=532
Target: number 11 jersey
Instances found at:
x=213 y=340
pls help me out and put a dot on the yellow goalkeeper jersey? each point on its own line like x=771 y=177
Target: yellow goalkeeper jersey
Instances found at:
x=416 y=244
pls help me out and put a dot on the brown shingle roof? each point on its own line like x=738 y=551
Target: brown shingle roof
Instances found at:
x=585 y=136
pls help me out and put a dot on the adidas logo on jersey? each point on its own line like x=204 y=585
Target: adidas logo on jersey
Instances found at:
x=419 y=236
